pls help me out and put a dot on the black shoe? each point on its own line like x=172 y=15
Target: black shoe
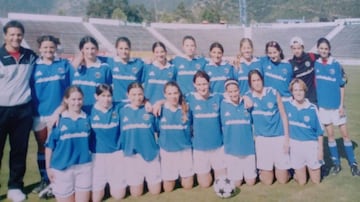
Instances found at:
x=354 y=170
x=43 y=184
x=335 y=169
x=46 y=193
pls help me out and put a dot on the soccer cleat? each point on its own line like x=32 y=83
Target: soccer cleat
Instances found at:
x=46 y=193
x=16 y=195
x=335 y=169
x=43 y=184
x=354 y=170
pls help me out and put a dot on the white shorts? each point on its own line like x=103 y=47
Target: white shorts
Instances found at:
x=40 y=122
x=270 y=153
x=331 y=116
x=304 y=153
x=73 y=179
x=137 y=169
x=175 y=164
x=109 y=168
x=239 y=167
x=205 y=160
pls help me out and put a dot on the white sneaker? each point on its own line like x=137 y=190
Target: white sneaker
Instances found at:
x=16 y=195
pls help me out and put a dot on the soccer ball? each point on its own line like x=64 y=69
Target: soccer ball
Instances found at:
x=224 y=187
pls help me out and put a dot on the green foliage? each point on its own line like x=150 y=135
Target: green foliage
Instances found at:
x=119 y=14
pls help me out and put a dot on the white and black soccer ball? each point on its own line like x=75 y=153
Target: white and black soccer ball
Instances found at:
x=224 y=187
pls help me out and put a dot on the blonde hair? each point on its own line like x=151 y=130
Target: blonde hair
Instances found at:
x=299 y=81
x=239 y=55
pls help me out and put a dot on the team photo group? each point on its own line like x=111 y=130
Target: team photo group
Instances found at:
x=154 y=124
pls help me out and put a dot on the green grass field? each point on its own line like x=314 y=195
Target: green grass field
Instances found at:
x=342 y=187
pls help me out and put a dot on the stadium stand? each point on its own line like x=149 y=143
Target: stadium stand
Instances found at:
x=262 y=35
x=346 y=44
x=69 y=33
x=141 y=39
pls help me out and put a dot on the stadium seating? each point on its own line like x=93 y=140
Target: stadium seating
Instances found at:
x=346 y=44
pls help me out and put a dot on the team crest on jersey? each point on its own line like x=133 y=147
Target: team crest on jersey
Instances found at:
x=96 y=118
x=114 y=115
x=181 y=66
x=163 y=119
x=215 y=106
x=61 y=70
x=146 y=117
x=134 y=70
x=284 y=71
x=125 y=119
x=63 y=128
x=97 y=75
x=289 y=114
x=268 y=67
x=197 y=66
x=209 y=73
x=307 y=63
x=152 y=73
x=227 y=114
x=38 y=73
x=170 y=74
x=197 y=107
x=332 y=71
x=226 y=71
x=116 y=69
x=270 y=105
x=306 y=118
x=255 y=104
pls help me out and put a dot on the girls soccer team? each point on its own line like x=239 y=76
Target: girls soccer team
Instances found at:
x=231 y=120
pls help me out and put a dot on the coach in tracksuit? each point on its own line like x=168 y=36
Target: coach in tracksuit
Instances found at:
x=15 y=106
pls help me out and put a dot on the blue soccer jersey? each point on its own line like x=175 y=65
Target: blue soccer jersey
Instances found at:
x=186 y=68
x=329 y=80
x=218 y=75
x=205 y=117
x=124 y=74
x=243 y=71
x=304 y=124
x=69 y=142
x=48 y=84
x=154 y=80
x=174 y=132
x=137 y=133
x=277 y=75
x=265 y=113
x=105 y=136
x=87 y=78
x=236 y=124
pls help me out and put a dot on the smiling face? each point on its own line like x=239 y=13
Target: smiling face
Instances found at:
x=202 y=86
x=189 y=47
x=246 y=50
x=216 y=55
x=256 y=83
x=172 y=95
x=136 y=96
x=89 y=51
x=160 y=54
x=273 y=54
x=123 y=50
x=74 y=101
x=13 y=38
x=234 y=93
x=104 y=100
x=324 y=50
x=298 y=92
x=47 y=50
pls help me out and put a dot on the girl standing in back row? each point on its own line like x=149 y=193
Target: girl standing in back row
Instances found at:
x=330 y=88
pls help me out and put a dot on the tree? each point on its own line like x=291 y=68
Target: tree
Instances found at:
x=181 y=12
x=119 y=14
